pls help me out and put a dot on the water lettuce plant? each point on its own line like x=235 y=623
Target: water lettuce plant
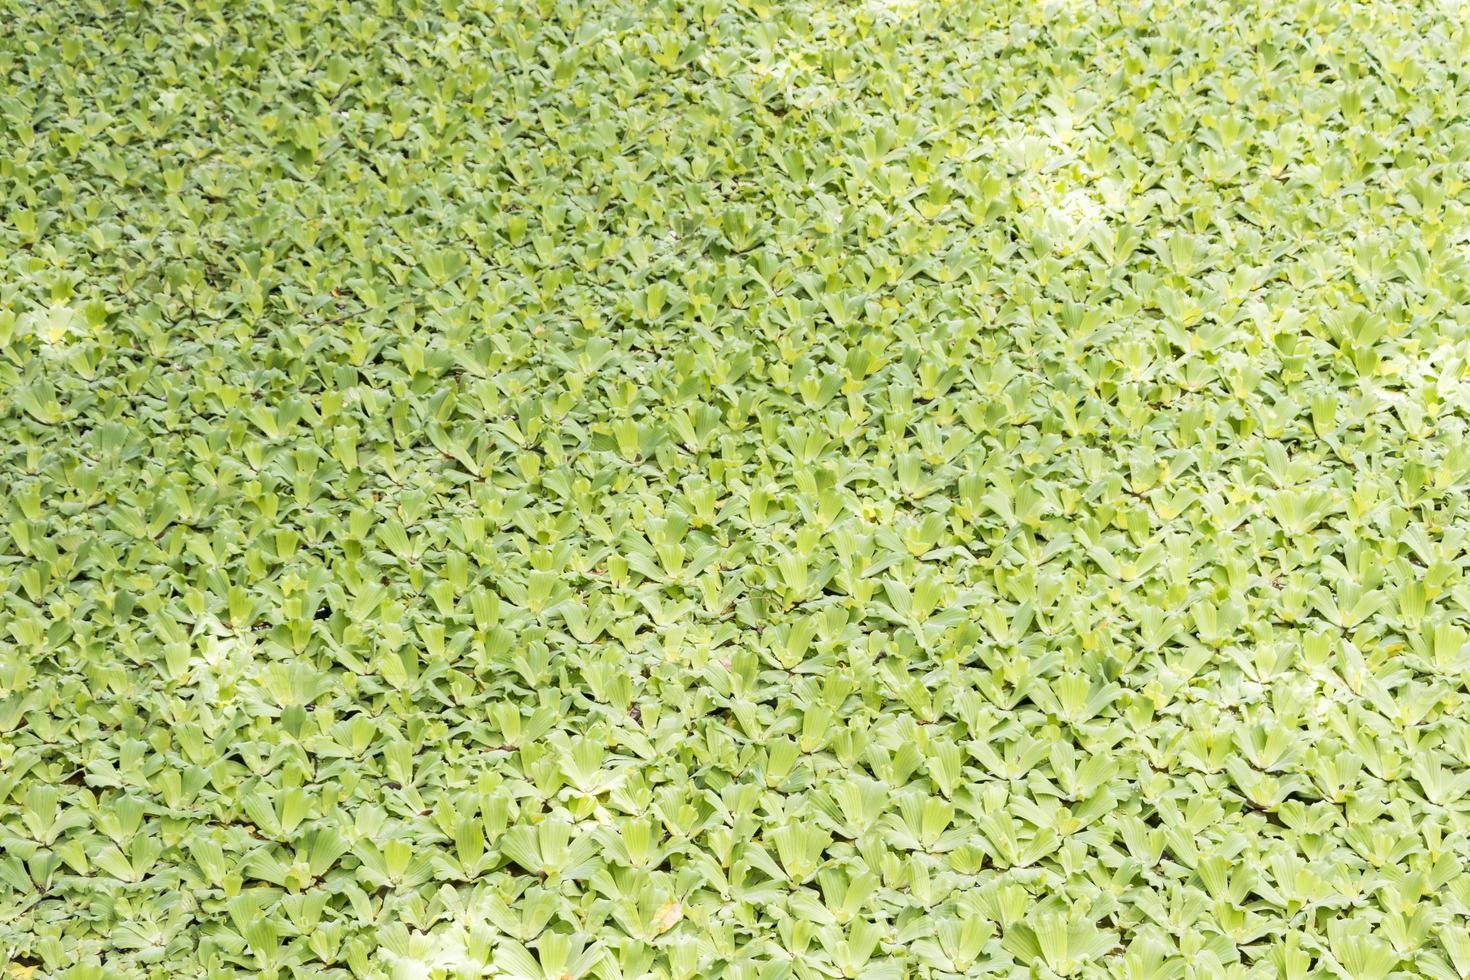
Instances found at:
x=726 y=489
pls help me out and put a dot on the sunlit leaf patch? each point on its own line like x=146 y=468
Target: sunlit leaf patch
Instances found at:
x=730 y=489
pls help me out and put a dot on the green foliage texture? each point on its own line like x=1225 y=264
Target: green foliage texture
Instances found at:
x=734 y=489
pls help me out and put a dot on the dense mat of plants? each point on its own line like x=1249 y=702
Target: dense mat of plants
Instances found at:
x=734 y=489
